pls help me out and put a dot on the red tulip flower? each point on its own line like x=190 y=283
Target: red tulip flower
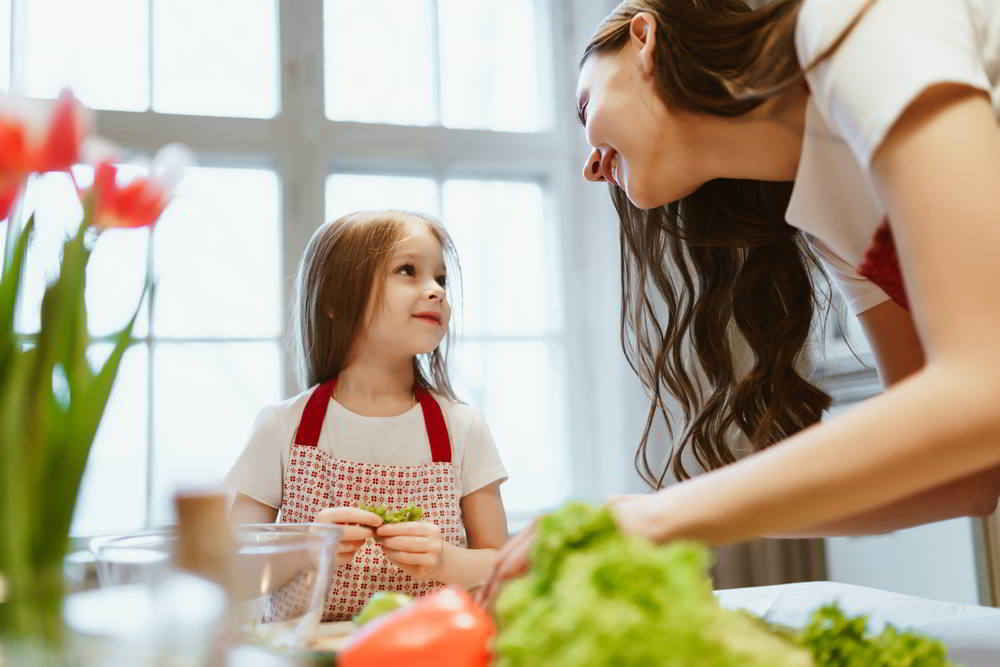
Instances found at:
x=35 y=139
x=140 y=202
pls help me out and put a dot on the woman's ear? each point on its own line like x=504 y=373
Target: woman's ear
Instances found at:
x=642 y=35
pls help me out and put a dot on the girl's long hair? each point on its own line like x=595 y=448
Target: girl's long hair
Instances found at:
x=721 y=262
x=341 y=279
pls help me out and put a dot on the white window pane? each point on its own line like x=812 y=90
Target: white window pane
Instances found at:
x=206 y=397
x=113 y=491
x=520 y=388
x=379 y=61
x=217 y=253
x=489 y=65
x=509 y=257
x=346 y=193
x=117 y=268
x=217 y=58
x=100 y=48
x=4 y=44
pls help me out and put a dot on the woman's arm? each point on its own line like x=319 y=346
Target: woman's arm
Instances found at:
x=428 y=556
x=937 y=173
x=898 y=354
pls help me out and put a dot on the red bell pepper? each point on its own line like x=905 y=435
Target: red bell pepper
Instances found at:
x=443 y=629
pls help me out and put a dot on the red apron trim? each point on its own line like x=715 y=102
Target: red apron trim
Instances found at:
x=881 y=265
x=315 y=411
x=437 y=430
x=312 y=417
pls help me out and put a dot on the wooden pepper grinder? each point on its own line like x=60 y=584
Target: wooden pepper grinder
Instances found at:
x=205 y=542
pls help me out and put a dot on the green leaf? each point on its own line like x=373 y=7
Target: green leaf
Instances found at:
x=84 y=419
x=16 y=530
x=10 y=285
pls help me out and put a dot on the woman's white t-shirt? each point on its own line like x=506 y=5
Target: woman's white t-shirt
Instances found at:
x=897 y=50
x=399 y=440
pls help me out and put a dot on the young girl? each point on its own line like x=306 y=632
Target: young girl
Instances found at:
x=741 y=144
x=380 y=424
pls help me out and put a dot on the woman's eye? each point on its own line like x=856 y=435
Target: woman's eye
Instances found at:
x=407 y=270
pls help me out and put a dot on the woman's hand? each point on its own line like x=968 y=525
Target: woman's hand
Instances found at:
x=416 y=547
x=513 y=560
x=357 y=524
x=639 y=515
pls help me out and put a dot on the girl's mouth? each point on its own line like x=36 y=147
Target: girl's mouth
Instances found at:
x=433 y=318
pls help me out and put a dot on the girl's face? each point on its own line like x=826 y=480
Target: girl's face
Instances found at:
x=414 y=314
x=638 y=143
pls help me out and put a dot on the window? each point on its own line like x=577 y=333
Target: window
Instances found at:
x=298 y=112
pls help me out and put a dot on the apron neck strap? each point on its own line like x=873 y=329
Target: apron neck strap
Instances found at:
x=437 y=430
x=312 y=417
x=315 y=411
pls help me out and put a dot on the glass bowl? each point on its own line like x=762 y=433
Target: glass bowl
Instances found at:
x=278 y=578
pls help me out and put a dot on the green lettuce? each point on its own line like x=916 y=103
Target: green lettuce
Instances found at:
x=838 y=641
x=595 y=596
x=411 y=513
x=598 y=597
x=381 y=603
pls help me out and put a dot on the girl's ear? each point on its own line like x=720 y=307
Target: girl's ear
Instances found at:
x=642 y=35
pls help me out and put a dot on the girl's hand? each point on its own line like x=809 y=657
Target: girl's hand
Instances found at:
x=513 y=560
x=357 y=524
x=416 y=547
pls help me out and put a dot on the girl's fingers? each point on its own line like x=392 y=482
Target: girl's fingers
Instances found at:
x=407 y=543
x=415 y=528
x=342 y=515
x=407 y=558
x=347 y=547
x=356 y=534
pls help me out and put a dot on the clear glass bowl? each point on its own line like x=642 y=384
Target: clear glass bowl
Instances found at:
x=279 y=575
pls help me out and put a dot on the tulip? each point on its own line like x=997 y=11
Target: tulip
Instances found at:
x=37 y=137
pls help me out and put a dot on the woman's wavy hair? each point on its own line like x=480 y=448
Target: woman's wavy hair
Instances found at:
x=722 y=261
x=341 y=280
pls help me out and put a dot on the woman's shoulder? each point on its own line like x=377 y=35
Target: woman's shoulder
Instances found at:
x=896 y=50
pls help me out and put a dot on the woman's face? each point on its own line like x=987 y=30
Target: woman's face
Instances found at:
x=638 y=143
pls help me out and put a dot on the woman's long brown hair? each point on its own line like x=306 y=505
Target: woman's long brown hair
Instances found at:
x=720 y=263
x=340 y=281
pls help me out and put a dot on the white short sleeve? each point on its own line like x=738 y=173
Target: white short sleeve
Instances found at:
x=859 y=293
x=897 y=50
x=259 y=470
x=481 y=463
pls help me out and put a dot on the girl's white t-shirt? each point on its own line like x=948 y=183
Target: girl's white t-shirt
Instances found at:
x=897 y=50
x=399 y=440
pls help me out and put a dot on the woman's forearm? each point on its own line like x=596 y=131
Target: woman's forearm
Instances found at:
x=937 y=426
x=466 y=568
x=975 y=495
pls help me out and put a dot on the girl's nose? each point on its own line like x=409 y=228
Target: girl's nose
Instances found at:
x=592 y=167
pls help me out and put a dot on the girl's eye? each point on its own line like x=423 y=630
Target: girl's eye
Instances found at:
x=407 y=270
x=442 y=281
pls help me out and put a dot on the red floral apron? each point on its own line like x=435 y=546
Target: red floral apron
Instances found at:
x=314 y=480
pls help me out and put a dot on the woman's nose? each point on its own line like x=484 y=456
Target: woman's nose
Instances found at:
x=592 y=168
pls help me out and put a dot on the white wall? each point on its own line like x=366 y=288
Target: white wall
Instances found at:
x=936 y=561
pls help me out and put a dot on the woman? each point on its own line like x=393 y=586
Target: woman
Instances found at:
x=740 y=147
